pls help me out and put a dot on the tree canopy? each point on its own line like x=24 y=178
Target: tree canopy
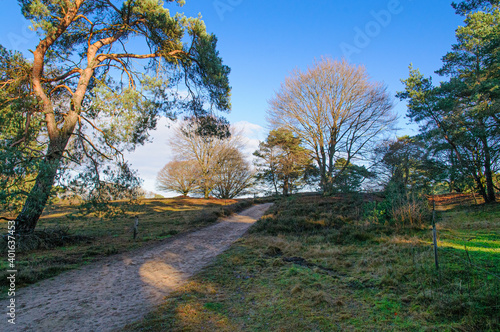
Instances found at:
x=233 y=175
x=179 y=176
x=217 y=159
x=282 y=161
x=89 y=100
x=464 y=111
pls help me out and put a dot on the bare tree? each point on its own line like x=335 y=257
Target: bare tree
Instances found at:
x=178 y=176
x=337 y=112
x=204 y=150
x=234 y=174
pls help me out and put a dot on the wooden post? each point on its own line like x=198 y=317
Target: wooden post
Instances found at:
x=136 y=226
x=434 y=233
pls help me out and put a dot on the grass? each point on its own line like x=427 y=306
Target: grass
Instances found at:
x=313 y=264
x=87 y=239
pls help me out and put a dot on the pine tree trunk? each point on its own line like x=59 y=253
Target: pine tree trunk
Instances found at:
x=481 y=189
x=488 y=174
x=453 y=173
x=285 y=187
x=325 y=185
x=33 y=208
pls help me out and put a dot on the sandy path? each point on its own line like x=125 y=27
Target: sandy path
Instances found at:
x=121 y=289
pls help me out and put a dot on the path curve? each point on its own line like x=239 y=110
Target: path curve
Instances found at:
x=121 y=289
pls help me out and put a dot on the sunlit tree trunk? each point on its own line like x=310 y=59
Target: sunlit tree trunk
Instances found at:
x=33 y=208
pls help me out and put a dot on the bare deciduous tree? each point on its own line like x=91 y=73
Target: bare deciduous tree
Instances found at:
x=205 y=150
x=234 y=174
x=178 y=176
x=336 y=110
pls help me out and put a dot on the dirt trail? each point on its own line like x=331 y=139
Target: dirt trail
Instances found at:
x=121 y=289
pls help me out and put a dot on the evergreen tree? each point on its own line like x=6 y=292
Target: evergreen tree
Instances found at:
x=92 y=103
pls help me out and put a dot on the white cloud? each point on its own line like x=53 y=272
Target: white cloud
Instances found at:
x=253 y=134
x=250 y=129
x=149 y=158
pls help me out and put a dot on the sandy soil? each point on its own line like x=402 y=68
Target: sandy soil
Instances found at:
x=121 y=289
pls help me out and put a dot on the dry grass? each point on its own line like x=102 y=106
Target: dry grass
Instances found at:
x=314 y=265
x=63 y=243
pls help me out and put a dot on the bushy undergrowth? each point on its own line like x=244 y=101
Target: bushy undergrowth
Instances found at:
x=333 y=220
x=399 y=212
x=236 y=207
x=465 y=288
x=467 y=285
x=211 y=216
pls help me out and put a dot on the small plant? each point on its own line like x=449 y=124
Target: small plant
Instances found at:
x=398 y=212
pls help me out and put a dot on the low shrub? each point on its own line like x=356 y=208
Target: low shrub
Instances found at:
x=44 y=239
x=236 y=207
x=210 y=217
x=400 y=213
x=412 y=214
x=288 y=224
x=206 y=217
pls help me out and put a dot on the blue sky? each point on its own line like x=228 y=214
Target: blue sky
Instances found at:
x=263 y=40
